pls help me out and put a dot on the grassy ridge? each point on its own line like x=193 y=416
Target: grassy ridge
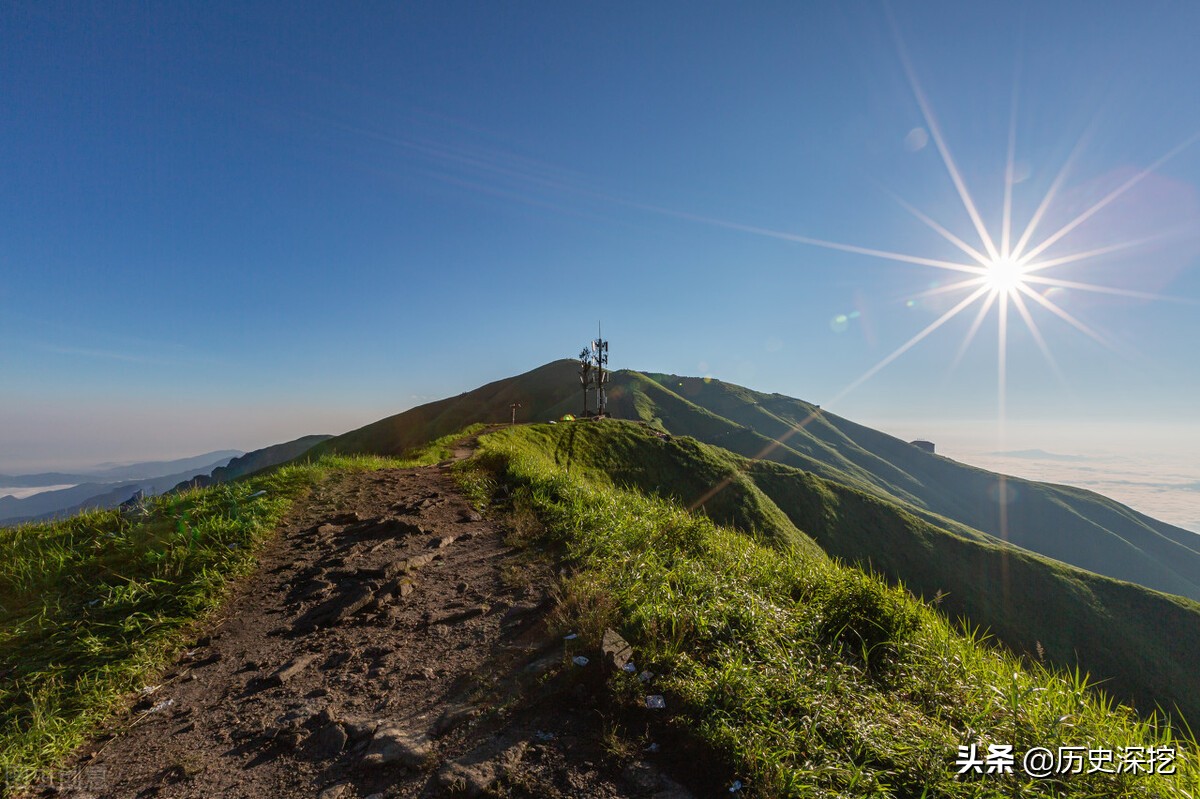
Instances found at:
x=1141 y=642
x=1077 y=527
x=679 y=468
x=1069 y=524
x=811 y=678
x=91 y=607
x=1138 y=642
x=544 y=393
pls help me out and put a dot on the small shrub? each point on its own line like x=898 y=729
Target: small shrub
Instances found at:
x=863 y=615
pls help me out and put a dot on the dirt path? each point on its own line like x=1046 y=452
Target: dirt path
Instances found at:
x=391 y=645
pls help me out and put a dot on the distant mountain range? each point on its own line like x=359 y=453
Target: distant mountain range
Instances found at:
x=1050 y=570
x=116 y=473
x=109 y=486
x=256 y=461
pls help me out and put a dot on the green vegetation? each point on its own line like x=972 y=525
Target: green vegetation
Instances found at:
x=1075 y=526
x=91 y=607
x=1140 y=642
x=544 y=393
x=1036 y=606
x=678 y=468
x=809 y=677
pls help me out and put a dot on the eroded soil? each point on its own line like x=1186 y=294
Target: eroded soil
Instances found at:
x=390 y=645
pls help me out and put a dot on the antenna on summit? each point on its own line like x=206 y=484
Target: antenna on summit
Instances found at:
x=593 y=372
x=600 y=346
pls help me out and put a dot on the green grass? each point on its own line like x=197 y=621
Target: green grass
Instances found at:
x=1140 y=642
x=1068 y=524
x=682 y=469
x=1136 y=641
x=810 y=678
x=93 y=606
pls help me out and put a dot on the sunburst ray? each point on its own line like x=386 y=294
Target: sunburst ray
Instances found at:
x=1055 y=186
x=912 y=342
x=1023 y=310
x=1066 y=317
x=942 y=231
x=1111 y=196
x=1039 y=266
x=976 y=323
x=949 y=287
x=1009 y=169
x=935 y=132
x=1092 y=287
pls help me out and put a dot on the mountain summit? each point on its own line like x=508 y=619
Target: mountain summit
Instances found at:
x=1071 y=525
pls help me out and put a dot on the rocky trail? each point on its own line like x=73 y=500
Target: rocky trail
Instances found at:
x=390 y=645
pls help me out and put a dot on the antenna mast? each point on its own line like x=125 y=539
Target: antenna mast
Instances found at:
x=600 y=360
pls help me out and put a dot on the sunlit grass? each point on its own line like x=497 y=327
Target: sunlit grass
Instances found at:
x=93 y=606
x=811 y=678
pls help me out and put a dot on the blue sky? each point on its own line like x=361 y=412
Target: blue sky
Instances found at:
x=229 y=226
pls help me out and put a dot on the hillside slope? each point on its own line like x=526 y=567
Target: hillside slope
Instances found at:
x=1075 y=526
x=1069 y=524
x=544 y=393
x=813 y=676
x=1139 y=642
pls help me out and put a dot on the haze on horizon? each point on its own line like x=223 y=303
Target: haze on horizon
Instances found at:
x=231 y=226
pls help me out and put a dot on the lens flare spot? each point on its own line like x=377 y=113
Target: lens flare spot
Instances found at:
x=916 y=140
x=839 y=323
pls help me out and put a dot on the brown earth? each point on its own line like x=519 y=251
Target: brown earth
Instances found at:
x=390 y=645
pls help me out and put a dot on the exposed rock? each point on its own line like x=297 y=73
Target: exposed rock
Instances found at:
x=416 y=562
x=290 y=670
x=543 y=665
x=669 y=789
x=463 y=615
x=348 y=602
x=477 y=771
x=312 y=588
x=469 y=516
x=453 y=717
x=441 y=541
x=391 y=745
x=334 y=791
x=615 y=649
x=288 y=737
x=328 y=742
x=359 y=729
x=518 y=613
x=642 y=777
x=397 y=528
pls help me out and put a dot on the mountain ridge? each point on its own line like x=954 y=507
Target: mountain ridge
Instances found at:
x=1071 y=525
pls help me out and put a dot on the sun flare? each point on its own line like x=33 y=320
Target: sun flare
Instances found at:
x=1004 y=275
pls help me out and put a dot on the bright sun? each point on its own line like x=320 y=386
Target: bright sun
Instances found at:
x=1004 y=275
